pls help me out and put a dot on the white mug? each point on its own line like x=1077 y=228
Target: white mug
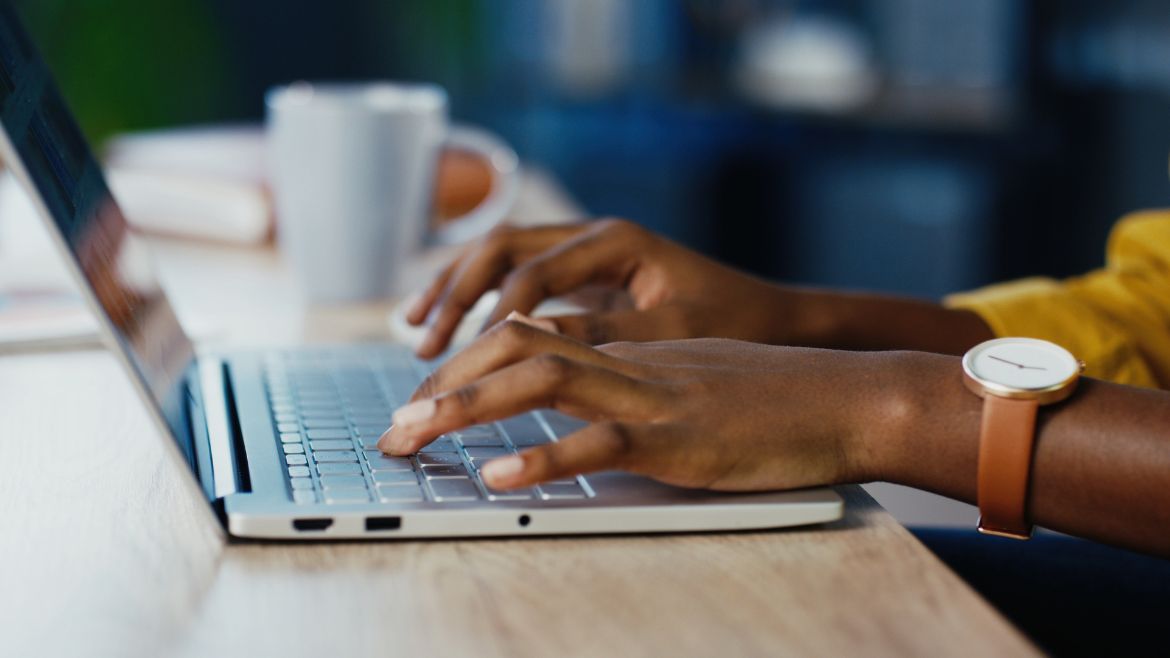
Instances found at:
x=352 y=168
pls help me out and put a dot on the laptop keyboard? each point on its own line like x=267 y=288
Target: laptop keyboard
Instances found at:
x=329 y=413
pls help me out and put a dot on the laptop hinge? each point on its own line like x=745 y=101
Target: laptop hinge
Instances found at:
x=222 y=429
x=240 y=471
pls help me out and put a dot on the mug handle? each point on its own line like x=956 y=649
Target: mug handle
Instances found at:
x=505 y=167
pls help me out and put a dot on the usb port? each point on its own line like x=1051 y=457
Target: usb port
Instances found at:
x=383 y=522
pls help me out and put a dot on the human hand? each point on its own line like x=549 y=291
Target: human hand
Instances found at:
x=671 y=292
x=708 y=413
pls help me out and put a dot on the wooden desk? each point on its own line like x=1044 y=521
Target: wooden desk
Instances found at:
x=103 y=553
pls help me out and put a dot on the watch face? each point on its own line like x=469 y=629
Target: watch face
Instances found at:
x=1025 y=364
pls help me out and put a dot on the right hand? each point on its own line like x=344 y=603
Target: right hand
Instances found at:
x=704 y=413
x=671 y=292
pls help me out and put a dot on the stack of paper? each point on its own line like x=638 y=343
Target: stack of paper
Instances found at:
x=204 y=183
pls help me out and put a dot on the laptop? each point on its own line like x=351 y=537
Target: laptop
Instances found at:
x=281 y=443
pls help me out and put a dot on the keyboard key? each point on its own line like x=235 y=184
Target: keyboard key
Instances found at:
x=563 y=481
x=445 y=471
x=330 y=423
x=285 y=418
x=331 y=444
x=561 y=424
x=328 y=434
x=292 y=448
x=396 y=494
x=454 y=489
x=395 y=478
x=322 y=397
x=339 y=496
x=561 y=491
x=367 y=421
x=288 y=427
x=485 y=441
x=433 y=458
x=335 y=456
x=343 y=482
x=369 y=408
x=339 y=469
x=298 y=471
x=301 y=483
x=518 y=494
x=530 y=440
x=477 y=430
x=322 y=404
x=381 y=462
x=363 y=391
x=441 y=444
x=484 y=454
x=525 y=431
x=362 y=388
x=296 y=460
x=304 y=496
x=317 y=414
x=290 y=437
x=402 y=383
x=371 y=430
x=319 y=409
x=370 y=443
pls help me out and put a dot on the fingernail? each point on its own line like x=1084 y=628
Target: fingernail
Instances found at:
x=414 y=304
x=414 y=413
x=428 y=345
x=546 y=324
x=499 y=471
x=540 y=323
x=385 y=442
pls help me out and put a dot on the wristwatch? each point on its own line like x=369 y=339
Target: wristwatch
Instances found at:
x=1014 y=376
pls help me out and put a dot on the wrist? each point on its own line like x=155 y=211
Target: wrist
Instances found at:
x=919 y=426
x=806 y=317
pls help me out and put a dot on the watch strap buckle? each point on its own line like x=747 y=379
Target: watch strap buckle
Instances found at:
x=1002 y=532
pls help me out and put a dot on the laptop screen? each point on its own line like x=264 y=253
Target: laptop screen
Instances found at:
x=46 y=143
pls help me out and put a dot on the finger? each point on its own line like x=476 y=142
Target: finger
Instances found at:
x=510 y=342
x=661 y=323
x=598 y=447
x=603 y=255
x=544 y=324
x=421 y=307
x=482 y=270
x=548 y=381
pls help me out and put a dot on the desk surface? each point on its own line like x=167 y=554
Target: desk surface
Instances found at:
x=102 y=552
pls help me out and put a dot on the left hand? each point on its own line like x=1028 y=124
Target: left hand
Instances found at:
x=705 y=413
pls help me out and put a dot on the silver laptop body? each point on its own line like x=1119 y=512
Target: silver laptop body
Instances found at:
x=281 y=442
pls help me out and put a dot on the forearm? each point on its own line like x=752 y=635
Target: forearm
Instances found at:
x=1101 y=467
x=873 y=322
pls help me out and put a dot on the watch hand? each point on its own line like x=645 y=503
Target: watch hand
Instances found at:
x=1010 y=363
x=1013 y=363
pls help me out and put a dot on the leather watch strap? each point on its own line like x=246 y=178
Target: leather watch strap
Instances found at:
x=1006 y=440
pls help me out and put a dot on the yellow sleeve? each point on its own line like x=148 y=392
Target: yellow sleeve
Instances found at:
x=1116 y=319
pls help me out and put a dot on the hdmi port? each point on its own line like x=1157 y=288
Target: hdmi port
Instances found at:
x=310 y=525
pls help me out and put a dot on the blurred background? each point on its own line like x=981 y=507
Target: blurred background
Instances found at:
x=914 y=146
